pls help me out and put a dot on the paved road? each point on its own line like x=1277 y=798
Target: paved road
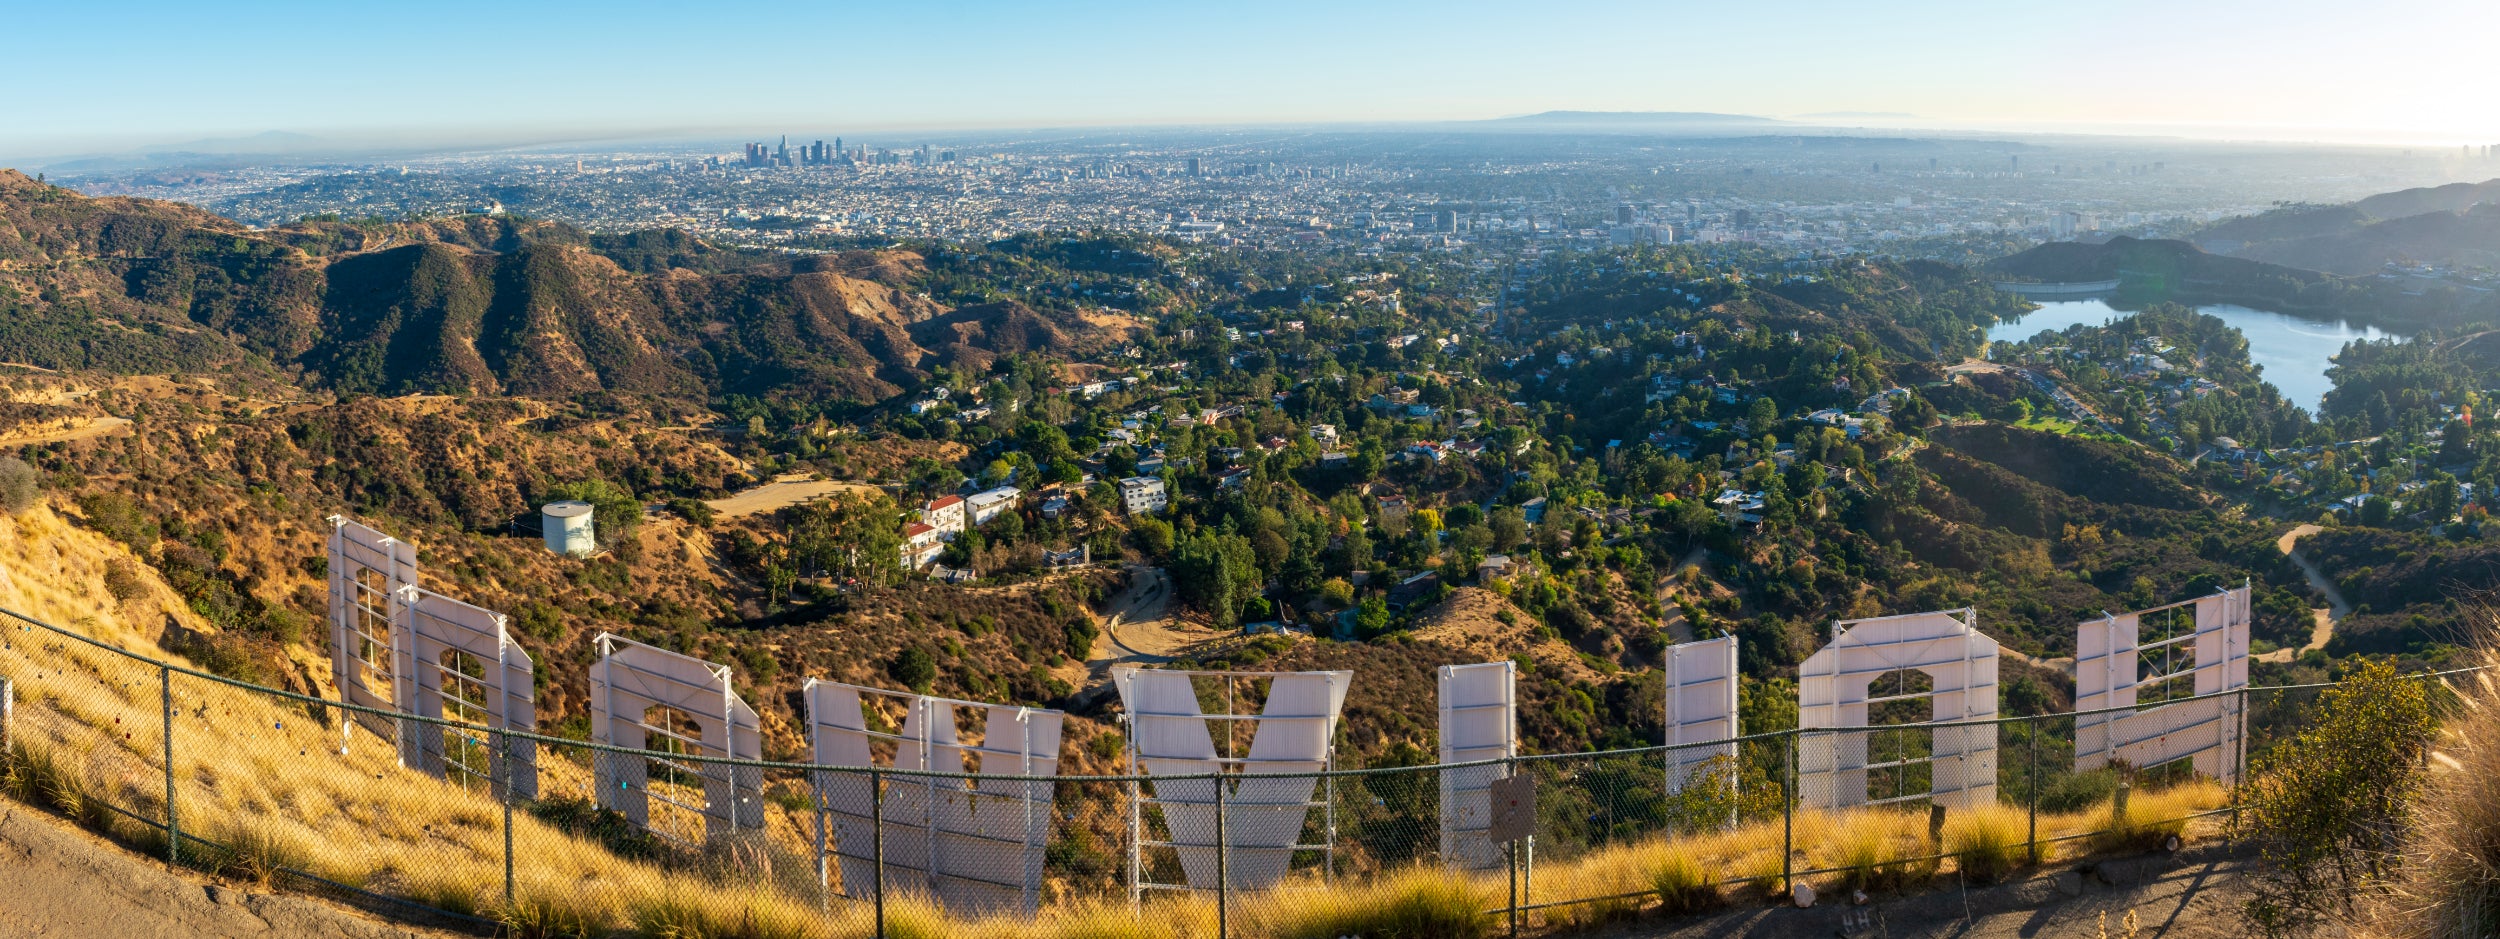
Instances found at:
x=2322 y=625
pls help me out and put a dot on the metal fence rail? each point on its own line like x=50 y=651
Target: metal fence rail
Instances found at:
x=234 y=777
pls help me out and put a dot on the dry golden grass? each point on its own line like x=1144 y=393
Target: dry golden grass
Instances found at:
x=2447 y=885
x=1987 y=842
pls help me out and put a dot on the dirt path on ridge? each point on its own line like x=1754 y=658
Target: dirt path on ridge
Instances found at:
x=2322 y=621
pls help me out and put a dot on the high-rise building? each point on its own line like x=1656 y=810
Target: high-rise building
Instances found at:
x=1623 y=213
x=1193 y=166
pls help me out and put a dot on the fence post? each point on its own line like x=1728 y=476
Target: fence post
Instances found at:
x=173 y=819
x=8 y=712
x=1510 y=767
x=2239 y=764
x=876 y=839
x=1788 y=817
x=1223 y=862
x=2033 y=809
x=504 y=743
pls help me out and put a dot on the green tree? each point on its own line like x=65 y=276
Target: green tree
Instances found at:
x=1763 y=413
x=1154 y=536
x=615 y=512
x=1219 y=572
x=914 y=668
x=853 y=535
x=1371 y=618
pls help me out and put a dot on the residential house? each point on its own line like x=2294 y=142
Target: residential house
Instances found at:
x=920 y=545
x=946 y=514
x=986 y=504
x=1739 y=507
x=1143 y=495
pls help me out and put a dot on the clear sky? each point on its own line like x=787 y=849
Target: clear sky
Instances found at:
x=110 y=74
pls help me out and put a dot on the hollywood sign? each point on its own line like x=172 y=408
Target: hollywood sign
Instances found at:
x=2156 y=677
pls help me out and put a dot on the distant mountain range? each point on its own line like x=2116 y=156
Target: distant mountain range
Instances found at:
x=1666 y=122
x=2456 y=225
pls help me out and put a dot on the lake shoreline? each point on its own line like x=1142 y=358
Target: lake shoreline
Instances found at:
x=2292 y=351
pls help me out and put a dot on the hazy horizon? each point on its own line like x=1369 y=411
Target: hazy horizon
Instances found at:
x=468 y=74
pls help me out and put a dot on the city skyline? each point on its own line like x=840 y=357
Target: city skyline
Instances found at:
x=467 y=74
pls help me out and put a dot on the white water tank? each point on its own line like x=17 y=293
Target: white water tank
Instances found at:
x=568 y=528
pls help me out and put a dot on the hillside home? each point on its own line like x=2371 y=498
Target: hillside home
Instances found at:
x=946 y=514
x=986 y=504
x=1143 y=495
x=920 y=545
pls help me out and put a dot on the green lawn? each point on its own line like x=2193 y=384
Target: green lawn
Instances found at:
x=2051 y=423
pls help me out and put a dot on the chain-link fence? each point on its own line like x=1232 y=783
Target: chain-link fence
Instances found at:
x=508 y=831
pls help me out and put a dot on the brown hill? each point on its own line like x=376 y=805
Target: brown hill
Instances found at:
x=475 y=305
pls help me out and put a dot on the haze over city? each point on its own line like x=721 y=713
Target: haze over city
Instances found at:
x=124 y=74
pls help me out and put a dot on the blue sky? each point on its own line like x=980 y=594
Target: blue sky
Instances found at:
x=108 y=74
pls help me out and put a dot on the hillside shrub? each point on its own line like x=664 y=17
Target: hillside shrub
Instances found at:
x=21 y=486
x=2326 y=808
x=914 y=668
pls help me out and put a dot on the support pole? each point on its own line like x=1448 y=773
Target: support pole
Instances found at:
x=504 y=743
x=1511 y=768
x=876 y=839
x=824 y=876
x=1136 y=821
x=8 y=712
x=2033 y=809
x=1788 y=819
x=1223 y=862
x=2239 y=764
x=173 y=819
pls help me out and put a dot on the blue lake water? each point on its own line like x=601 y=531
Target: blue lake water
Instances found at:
x=2293 y=352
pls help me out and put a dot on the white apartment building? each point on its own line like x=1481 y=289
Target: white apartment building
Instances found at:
x=1143 y=495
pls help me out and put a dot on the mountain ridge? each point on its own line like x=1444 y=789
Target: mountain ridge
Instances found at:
x=477 y=304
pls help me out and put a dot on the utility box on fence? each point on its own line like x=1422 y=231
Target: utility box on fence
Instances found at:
x=1514 y=808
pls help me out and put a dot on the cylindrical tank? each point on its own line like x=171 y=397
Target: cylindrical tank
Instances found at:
x=568 y=528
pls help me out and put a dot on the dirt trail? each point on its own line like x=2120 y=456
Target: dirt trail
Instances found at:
x=1140 y=626
x=2195 y=894
x=2322 y=624
x=1678 y=628
x=95 y=427
x=780 y=494
x=58 y=881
